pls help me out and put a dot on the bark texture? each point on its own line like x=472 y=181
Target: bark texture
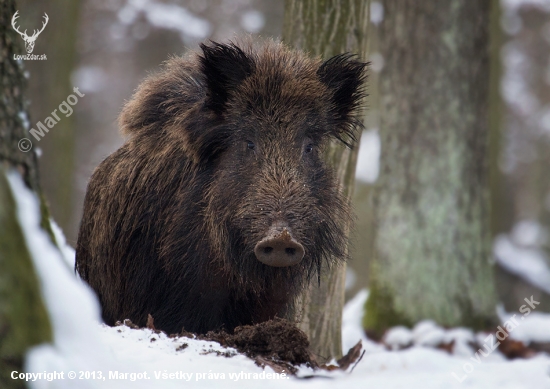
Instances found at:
x=14 y=121
x=431 y=202
x=16 y=150
x=326 y=28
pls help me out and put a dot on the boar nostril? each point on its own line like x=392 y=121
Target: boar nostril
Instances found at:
x=279 y=248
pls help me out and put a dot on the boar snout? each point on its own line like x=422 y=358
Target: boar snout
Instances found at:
x=279 y=248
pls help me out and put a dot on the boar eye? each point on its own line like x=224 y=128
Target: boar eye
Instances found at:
x=309 y=148
x=250 y=145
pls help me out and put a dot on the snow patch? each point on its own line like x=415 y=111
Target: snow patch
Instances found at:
x=398 y=337
x=68 y=253
x=514 y=88
x=166 y=16
x=376 y=62
x=352 y=327
x=376 y=12
x=368 y=162
x=253 y=21
x=72 y=306
x=529 y=233
x=351 y=278
x=24 y=119
x=462 y=338
x=427 y=333
x=89 y=79
x=526 y=262
x=532 y=327
x=515 y=5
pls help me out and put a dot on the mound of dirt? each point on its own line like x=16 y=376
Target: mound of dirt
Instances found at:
x=277 y=339
x=277 y=343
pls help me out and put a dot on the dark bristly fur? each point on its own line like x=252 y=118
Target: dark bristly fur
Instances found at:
x=172 y=217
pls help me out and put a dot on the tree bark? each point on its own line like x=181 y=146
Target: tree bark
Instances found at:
x=327 y=28
x=431 y=201
x=14 y=120
x=23 y=318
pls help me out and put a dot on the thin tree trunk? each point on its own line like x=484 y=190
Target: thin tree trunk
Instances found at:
x=524 y=162
x=431 y=201
x=23 y=318
x=327 y=28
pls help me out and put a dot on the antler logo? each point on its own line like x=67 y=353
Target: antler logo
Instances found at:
x=29 y=40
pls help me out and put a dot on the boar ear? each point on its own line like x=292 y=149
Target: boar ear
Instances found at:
x=344 y=76
x=225 y=67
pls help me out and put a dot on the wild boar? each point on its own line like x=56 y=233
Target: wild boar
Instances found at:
x=219 y=208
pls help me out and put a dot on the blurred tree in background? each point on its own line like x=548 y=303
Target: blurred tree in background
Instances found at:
x=432 y=244
x=522 y=205
x=50 y=84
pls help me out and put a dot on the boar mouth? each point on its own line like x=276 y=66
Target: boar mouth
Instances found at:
x=279 y=248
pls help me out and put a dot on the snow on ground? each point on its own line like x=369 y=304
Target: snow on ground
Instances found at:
x=188 y=360
x=73 y=308
x=67 y=252
x=121 y=357
x=532 y=326
x=529 y=263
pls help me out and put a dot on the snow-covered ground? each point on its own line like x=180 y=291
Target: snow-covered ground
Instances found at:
x=520 y=253
x=121 y=357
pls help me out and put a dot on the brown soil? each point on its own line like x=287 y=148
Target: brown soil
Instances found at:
x=277 y=343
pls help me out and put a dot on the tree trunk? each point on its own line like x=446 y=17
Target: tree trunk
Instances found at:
x=23 y=318
x=524 y=161
x=431 y=201
x=14 y=120
x=50 y=86
x=327 y=28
